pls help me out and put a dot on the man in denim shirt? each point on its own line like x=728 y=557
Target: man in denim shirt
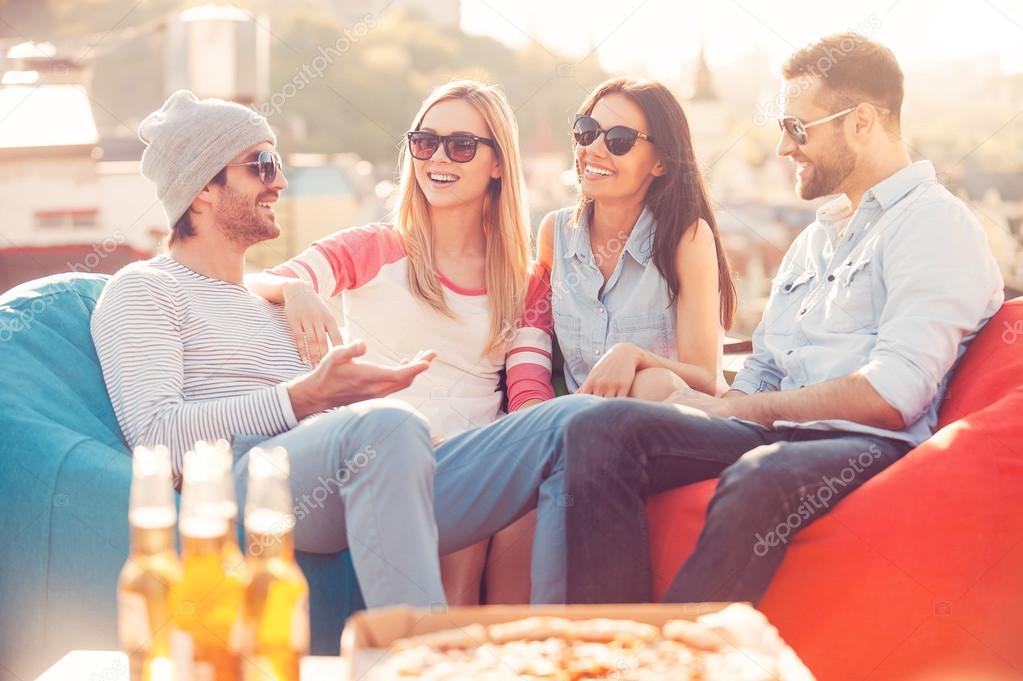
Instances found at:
x=872 y=306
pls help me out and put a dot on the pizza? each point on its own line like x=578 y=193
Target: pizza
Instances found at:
x=735 y=644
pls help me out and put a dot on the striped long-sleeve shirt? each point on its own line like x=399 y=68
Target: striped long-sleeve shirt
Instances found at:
x=186 y=357
x=367 y=267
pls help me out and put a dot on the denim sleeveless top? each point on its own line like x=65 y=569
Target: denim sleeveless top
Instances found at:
x=634 y=306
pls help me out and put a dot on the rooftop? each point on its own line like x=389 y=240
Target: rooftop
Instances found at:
x=21 y=264
x=45 y=116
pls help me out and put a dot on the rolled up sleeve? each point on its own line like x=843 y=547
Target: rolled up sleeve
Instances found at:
x=942 y=284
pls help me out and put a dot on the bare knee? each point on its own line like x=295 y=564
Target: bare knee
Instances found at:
x=508 y=564
x=462 y=572
x=655 y=384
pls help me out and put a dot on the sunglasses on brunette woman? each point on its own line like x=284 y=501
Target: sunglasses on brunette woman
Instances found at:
x=619 y=139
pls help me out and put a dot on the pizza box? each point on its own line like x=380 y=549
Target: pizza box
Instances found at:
x=368 y=634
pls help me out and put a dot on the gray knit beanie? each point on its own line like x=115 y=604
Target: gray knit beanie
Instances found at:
x=189 y=140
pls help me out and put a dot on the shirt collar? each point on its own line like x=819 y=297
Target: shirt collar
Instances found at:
x=885 y=194
x=578 y=237
x=890 y=190
x=640 y=244
x=836 y=210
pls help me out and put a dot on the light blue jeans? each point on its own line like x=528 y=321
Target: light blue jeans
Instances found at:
x=489 y=477
x=365 y=477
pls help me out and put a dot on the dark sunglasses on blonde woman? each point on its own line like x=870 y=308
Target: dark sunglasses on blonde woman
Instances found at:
x=460 y=147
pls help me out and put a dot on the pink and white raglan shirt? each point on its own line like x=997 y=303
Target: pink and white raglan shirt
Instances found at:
x=368 y=268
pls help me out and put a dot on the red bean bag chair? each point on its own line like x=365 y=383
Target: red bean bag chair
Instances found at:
x=919 y=573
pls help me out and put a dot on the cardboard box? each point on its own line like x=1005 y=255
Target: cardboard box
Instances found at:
x=368 y=634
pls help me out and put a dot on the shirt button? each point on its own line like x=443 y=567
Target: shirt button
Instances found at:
x=596 y=352
x=831 y=277
x=803 y=311
x=789 y=352
x=788 y=287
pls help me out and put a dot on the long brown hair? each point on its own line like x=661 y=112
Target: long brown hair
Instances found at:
x=678 y=198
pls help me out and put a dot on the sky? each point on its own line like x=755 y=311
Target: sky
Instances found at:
x=659 y=35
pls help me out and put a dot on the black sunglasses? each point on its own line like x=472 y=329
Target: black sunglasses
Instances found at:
x=266 y=166
x=619 y=139
x=460 y=147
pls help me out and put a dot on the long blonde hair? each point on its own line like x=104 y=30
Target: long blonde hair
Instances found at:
x=505 y=217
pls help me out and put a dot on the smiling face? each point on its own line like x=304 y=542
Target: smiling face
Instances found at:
x=604 y=176
x=244 y=207
x=826 y=160
x=445 y=183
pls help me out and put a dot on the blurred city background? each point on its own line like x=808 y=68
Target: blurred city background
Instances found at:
x=340 y=81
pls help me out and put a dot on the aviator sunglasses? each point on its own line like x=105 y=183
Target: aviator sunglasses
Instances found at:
x=266 y=166
x=795 y=128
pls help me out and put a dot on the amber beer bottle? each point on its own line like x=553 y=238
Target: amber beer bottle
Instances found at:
x=207 y=638
x=277 y=597
x=234 y=561
x=152 y=571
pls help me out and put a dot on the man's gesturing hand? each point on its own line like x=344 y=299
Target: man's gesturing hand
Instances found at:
x=341 y=379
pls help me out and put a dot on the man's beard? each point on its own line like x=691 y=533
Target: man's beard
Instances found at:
x=242 y=221
x=828 y=174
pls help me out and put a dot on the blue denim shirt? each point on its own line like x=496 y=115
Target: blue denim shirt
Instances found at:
x=634 y=305
x=896 y=299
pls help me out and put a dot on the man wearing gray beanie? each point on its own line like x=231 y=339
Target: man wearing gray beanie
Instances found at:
x=189 y=354
x=189 y=143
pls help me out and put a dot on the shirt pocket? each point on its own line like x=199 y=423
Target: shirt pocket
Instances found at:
x=788 y=293
x=568 y=334
x=849 y=303
x=648 y=330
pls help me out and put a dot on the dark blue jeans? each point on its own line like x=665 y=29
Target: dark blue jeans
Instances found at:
x=772 y=484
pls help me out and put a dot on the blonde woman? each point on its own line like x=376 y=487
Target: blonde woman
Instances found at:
x=452 y=273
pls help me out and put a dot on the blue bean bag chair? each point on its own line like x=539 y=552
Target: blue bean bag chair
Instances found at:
x=64 y=477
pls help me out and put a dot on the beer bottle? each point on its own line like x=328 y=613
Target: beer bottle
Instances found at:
x=207 y=636
x=152 y=571
x=277 y=596
x=234 y=561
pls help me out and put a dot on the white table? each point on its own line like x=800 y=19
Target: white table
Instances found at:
x=106 y=665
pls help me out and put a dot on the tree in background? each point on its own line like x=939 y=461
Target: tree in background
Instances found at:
x=334 y=88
